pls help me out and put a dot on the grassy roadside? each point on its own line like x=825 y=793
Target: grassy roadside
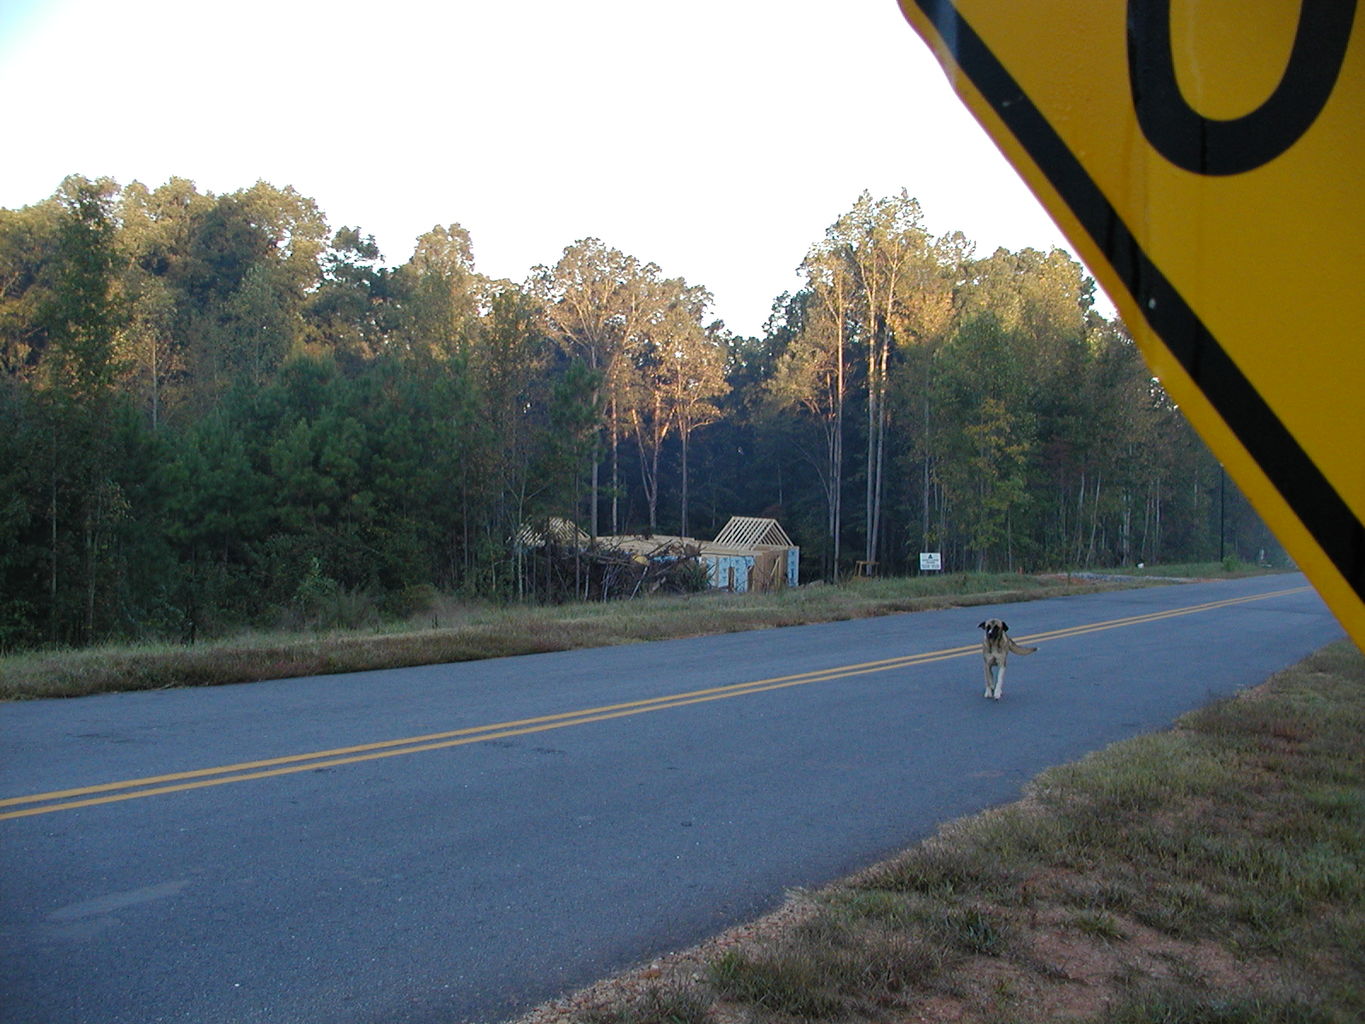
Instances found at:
x=1212 y=874
x=449 y=632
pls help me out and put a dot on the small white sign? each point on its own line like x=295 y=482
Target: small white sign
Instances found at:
x=930 y=561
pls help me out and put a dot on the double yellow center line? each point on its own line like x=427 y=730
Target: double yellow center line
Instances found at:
x=179 y=782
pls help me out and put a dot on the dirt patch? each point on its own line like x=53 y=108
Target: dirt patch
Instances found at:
x=1057 y=972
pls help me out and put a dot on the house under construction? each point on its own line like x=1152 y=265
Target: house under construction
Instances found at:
x=749 y=554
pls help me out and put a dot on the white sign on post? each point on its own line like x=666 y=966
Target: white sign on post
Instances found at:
x=930 y=561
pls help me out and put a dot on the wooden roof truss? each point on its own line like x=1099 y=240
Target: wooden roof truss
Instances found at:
x=751 y=531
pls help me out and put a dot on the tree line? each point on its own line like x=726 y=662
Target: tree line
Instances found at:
x=216 y=411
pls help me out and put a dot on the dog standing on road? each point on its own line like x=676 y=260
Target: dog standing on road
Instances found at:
x=996 y=647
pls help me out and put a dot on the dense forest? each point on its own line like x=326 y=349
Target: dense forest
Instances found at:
x=215 y=411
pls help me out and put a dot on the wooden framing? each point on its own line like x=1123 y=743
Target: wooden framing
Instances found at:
x=752 y=532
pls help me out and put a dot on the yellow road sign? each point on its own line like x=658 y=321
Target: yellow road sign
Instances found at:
x=1205 y=158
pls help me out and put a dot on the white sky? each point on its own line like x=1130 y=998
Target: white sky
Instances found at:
x=717 y=138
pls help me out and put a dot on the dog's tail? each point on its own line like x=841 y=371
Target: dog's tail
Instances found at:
x=1016 y=648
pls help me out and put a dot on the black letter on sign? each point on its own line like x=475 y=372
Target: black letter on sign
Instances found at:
x=1196 y=143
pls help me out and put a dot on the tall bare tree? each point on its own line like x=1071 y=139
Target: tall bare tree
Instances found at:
x=692 y=370
x=884 y=242
x=813 y=375
x=595 y=303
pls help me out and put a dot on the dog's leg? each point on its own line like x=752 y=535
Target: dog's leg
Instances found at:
x=990 y=677
x=999 y=681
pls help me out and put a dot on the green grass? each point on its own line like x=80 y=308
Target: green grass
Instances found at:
x=1229 y=568
x=1099 y=924
x=1180 y=1006
x=449 y=632
x=1212 y=874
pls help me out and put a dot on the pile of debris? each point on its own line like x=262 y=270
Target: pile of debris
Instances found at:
x=553 y=569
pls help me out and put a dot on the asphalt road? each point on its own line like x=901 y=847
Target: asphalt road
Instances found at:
x=461 y=842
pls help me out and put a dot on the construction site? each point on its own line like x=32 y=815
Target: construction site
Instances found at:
x=558 y=561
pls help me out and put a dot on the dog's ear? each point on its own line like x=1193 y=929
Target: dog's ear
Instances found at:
x=1004 y=626
x=980 y=625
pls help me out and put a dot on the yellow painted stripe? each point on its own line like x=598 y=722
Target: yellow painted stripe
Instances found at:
x=132 y=789
x=1136 y=620
x=496 y=730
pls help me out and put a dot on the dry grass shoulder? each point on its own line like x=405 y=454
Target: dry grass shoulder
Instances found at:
x=1212 y=874
x=448 y=631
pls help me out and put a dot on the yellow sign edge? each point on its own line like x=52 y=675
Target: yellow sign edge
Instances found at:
x=1298 y=541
